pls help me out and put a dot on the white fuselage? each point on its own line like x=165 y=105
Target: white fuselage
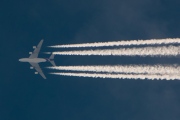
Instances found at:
x=32 y=60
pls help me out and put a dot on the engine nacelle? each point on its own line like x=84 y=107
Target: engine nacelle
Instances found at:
x=36 y=73
x=31 y=67
x=34 y=47
x=30 y=53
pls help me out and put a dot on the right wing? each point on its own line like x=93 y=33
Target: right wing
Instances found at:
x=38 y=69
x=36 y=51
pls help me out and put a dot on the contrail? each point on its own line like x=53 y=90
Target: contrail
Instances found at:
x=144 y=51
x=122 y=76
x=123 y=43
x=47 y=52
x=143 y=69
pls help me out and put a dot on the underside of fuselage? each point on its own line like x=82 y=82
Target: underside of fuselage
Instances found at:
x=32 y=60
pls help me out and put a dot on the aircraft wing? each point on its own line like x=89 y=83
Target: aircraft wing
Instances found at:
x=38 y=69
x=36 y=51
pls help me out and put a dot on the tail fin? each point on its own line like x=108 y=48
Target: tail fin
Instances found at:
x=51 y=60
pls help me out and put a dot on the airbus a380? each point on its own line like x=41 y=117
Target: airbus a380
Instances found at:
x=34 y=60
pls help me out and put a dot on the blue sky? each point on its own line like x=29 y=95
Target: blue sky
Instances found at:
x=25 y=96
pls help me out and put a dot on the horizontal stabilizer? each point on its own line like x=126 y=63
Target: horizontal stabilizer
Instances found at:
x=53 y=63
x=51 y=58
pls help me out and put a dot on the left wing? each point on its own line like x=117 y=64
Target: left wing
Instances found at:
x=36 y=51
x=38 y=69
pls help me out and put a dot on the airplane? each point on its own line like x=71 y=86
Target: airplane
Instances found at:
x=34 y=60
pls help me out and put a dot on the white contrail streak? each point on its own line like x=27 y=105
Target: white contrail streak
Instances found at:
x=47 y=52
x=144 y=51
x=143 y=69
x=122 y=76
x=123 y=43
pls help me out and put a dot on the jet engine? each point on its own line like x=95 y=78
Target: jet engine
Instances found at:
x=36 y=73
x=31 y=67
x=30 y=53
x=34 y=47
